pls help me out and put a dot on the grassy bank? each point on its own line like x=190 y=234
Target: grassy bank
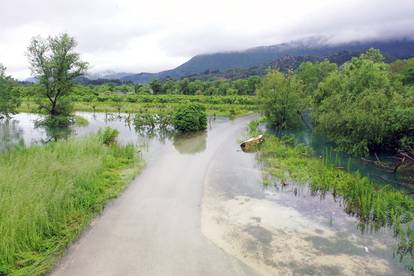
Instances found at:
x=49 y=193
x=374 y=206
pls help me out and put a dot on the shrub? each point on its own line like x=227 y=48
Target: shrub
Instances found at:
x=108 y=135
x=190 y=117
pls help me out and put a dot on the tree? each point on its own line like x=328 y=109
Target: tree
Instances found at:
x=364 y=108
x=190 y=117
x=156 y=86
x=9 y=96
x=55 y=65
x=279 y=97
x=311 y=74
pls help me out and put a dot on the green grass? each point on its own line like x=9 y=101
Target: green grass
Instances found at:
x=229 y=106
x=375 y=206
x=49 y=193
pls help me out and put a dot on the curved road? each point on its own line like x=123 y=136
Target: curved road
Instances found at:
x=154 y=228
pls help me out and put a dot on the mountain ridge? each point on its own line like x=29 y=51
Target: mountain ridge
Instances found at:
x=222 y=61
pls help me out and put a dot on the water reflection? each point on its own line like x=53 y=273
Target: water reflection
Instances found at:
x=10 y=134
x=54 y=134
x=22 y=129
x=191 y=143
x=323 y=149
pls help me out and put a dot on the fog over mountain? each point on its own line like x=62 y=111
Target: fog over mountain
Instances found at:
x=152 y=36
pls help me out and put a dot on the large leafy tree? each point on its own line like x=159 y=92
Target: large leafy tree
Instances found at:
x=55 y=65
x=364 y=108
x=279 y=96
x=9 y=96
x=311 y=74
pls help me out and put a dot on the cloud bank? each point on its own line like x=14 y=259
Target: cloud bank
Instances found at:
x=135 y=36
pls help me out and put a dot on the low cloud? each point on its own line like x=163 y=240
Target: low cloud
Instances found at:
x=134 y=36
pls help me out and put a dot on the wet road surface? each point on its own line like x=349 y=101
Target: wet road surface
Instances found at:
x=154 y=227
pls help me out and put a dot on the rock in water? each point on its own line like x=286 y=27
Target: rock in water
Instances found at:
x=250 y=144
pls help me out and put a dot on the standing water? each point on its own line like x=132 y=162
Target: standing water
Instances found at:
x=200 y=207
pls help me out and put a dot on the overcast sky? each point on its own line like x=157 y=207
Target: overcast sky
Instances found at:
x=154 y=35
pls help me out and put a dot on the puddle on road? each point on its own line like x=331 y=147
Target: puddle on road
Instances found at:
x=278 y=232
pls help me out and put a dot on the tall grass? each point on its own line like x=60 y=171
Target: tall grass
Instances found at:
x=49 y=193
x=375 y=206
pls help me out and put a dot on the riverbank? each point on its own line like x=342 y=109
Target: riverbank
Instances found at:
x=51 y=193
x=286 y=163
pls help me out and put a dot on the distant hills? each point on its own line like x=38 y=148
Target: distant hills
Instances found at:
x=263 y=57
x=255 y=61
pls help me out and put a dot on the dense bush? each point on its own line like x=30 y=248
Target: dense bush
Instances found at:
x=190 y=117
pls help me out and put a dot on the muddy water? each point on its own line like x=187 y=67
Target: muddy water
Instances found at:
x=286 y=231
x=199 y=208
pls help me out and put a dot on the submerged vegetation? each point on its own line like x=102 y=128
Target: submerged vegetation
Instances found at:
x=49 y=193
x=374 y=206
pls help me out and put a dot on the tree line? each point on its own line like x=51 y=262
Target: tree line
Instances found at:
x=362 y=106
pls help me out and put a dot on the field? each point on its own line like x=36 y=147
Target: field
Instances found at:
x=218 y=105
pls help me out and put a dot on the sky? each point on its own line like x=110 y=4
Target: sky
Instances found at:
x=155 y=35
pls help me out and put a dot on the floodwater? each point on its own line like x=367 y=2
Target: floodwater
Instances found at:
x=199 y=208
x=322 y=148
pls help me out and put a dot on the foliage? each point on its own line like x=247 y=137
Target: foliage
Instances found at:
x=51 y=192
x=311 y=74
x=190 y=117
x=108 y=135
x=55 y=65
x=404 y=69
x=363 y=107
x=279 y=97
x=9 y=96
x=145 y=119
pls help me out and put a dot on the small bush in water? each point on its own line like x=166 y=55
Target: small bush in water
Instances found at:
x=190 y=117
x=108 y=135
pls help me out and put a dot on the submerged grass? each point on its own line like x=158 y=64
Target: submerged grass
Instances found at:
x=375 y=206
x=49 y=193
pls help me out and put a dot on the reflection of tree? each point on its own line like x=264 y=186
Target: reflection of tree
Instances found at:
x=10 y=134
x=55 y=134
x=191 y=143
x=154 y=133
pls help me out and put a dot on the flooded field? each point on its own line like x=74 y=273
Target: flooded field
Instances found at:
x=201 y=201
x=322 y=148
x=283 y=230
